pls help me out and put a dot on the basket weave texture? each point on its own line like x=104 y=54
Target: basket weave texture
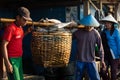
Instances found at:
x=51 y=49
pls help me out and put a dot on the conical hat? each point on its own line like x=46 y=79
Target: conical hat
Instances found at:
x=109 y=18
x=89 y=20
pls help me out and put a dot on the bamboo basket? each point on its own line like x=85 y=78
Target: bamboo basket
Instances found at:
x=51 y=49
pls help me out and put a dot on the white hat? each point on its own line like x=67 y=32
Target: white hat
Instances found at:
x=109 y=18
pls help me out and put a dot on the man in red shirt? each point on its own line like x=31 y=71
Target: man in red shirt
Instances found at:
x=12 y=44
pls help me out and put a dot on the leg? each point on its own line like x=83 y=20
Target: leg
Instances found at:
x=114 y=69
x=17 y=72
x=92 y=71
x=21 y=69
x=79 y=70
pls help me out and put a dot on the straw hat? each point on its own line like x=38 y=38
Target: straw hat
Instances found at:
x=109 y=18
x=89 y=20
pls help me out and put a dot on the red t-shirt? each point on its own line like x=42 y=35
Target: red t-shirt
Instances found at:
x=14 y=35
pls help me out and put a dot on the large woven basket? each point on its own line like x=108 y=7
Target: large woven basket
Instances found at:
x=51 y=49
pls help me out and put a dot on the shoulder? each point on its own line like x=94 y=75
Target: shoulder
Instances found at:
x=117 y=31
x=103 y=31
x=77 y=31
x=10 y=27
x=96 y=32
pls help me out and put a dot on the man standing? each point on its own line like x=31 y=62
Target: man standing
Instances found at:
x=12 y=44
x=87 y=38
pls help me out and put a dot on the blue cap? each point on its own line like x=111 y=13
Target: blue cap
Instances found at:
x=89 y=20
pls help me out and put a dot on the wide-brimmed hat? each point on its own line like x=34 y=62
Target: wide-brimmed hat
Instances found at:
x=109 y=18
x=89 y=20
x=25 y=13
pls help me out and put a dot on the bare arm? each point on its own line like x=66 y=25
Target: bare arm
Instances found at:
x=101 y=52
x=5 y=56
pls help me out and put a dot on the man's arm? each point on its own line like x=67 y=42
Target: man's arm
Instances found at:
x=5 y=56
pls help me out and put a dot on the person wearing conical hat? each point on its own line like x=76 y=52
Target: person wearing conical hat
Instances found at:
x=111 y=37
x=87 y=38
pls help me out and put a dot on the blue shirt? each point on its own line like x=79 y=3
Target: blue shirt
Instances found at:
x=114 y=42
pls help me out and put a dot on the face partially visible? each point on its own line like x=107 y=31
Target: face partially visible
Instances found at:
x=108 y=25
x=21 y=21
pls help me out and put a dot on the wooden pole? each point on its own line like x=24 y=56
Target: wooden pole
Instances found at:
x=86 y=7
x=46 y=24
x=100 y=5
x=93 y=5
x=41 y=24
x=116 y=8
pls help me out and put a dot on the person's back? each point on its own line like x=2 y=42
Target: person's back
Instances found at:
x=86 y=44
x=87 y=39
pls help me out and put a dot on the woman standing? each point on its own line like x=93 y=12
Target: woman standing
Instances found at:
x=111 y=36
